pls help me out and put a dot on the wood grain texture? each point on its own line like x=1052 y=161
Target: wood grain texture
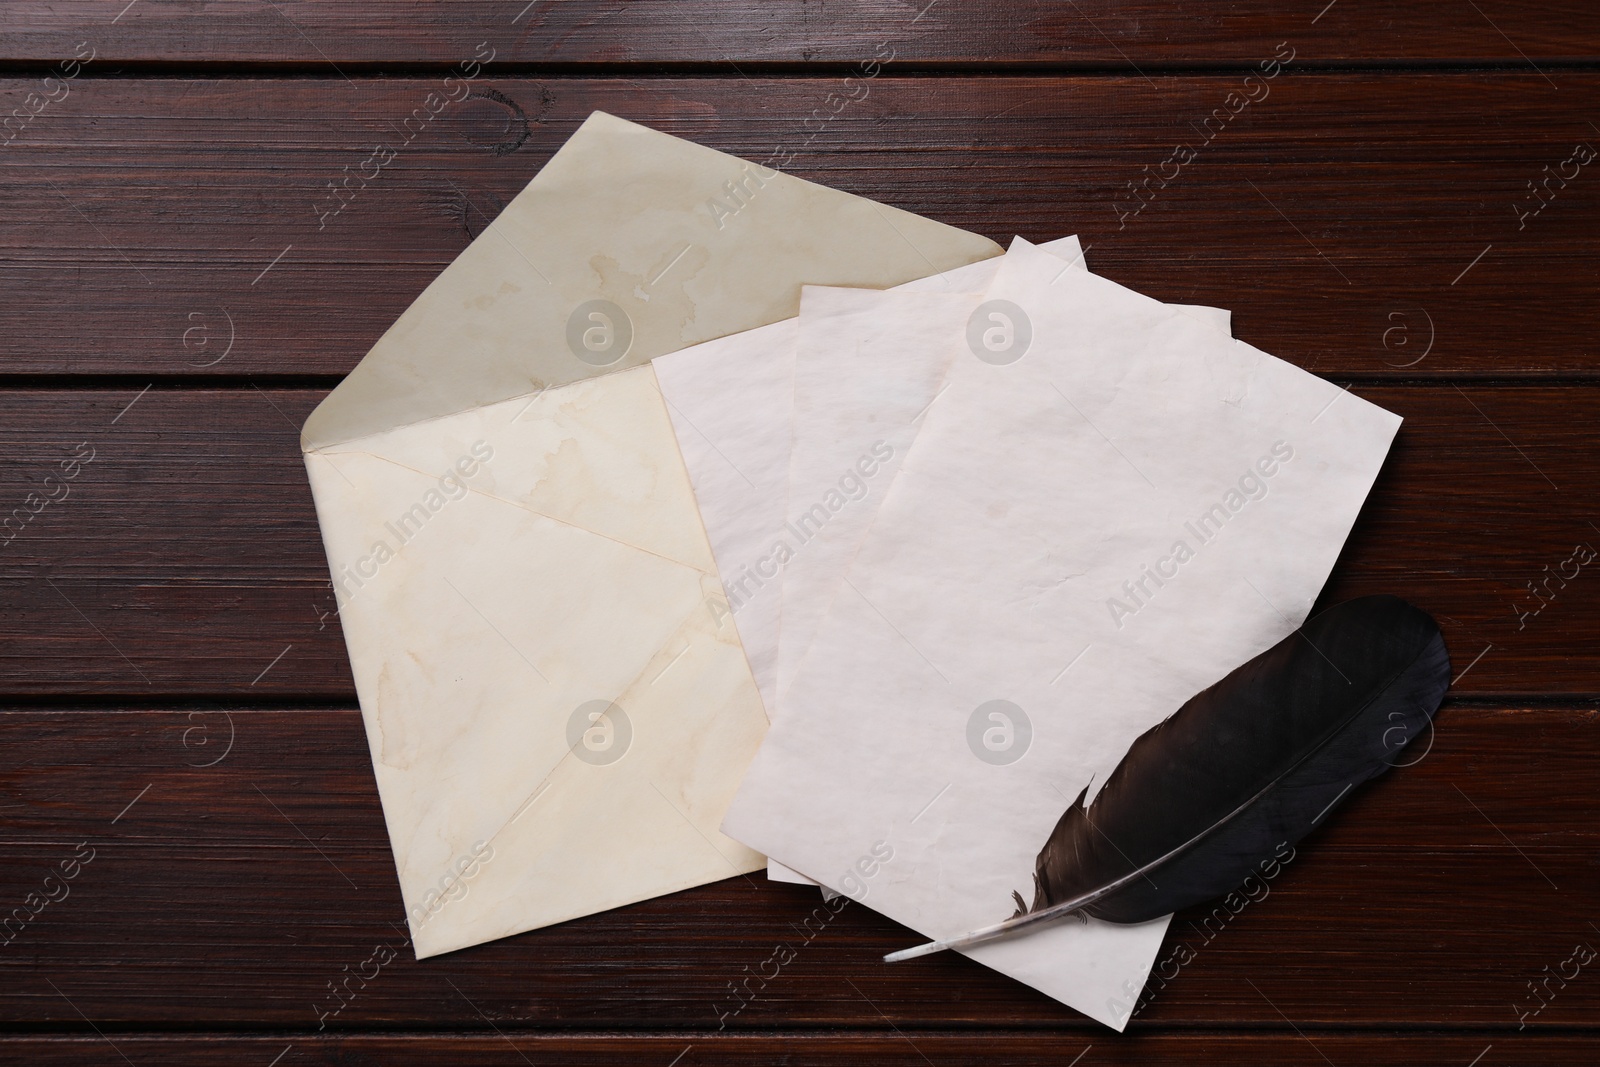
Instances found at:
x=186 y=557
x=240 y=865
x=914 y=1048
x=941 y=32
x=1364 y=224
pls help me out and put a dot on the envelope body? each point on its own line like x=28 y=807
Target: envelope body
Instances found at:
x=557 y=706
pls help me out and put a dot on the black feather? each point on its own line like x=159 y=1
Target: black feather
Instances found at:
x=1252 y=762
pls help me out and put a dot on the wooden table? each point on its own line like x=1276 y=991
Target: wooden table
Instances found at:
x=1397 y=197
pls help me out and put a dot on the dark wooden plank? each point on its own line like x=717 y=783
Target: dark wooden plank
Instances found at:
x=185 y=557
x=912 y=1049
x=1121 y=35
x=1361 y=224
x=217 y=558
x=239 y=865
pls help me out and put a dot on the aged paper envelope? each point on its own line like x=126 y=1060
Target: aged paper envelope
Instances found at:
x=556 y=718
x=1022 y=609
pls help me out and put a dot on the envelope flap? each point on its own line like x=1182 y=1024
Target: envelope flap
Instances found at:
x=629 y=244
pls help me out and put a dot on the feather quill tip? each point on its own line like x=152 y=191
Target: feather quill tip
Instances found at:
x=919 y=950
